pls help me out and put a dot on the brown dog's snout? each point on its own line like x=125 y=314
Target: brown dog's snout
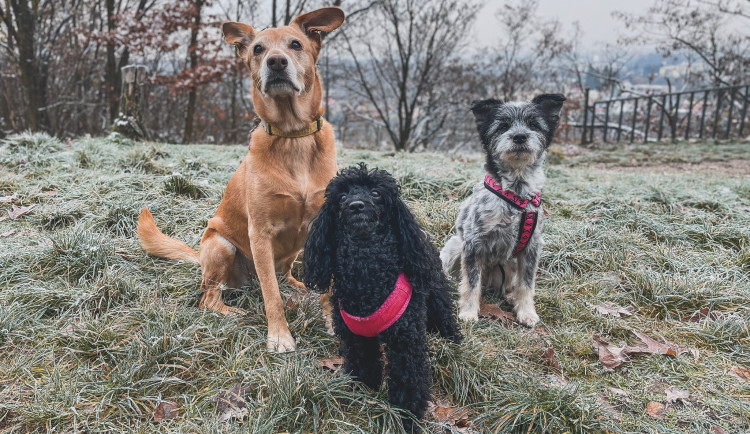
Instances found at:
x=277 y=62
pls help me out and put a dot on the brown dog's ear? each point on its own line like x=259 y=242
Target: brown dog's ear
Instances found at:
x=320 y=20
x=238 y=34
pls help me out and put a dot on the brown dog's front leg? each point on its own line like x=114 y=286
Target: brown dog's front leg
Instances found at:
x=279 y=337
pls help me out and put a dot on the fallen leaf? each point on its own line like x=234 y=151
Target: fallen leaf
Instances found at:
x=295 y=300
x=702 y=314
x=655 y=410
x=619 y=392
x=17 y=213
x=493 y=311
x=550 y=360
x=612 y=309
x=610 y=356
x=558 y=381
x=52 y=192
x=165 y=411
x=231 y=403
x=716 y=429
x=675 y=394
x=607 y=406
x=7 y=199
x=333 y=363
x=7 y=234
x=741 y=372
x=695 y=353
x=654 y=347
x=451 y=415
x=5 y=217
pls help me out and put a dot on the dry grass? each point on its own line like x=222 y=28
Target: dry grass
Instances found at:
x=94 y=333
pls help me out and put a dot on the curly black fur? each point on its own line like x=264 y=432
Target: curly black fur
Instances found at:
x=362 y=239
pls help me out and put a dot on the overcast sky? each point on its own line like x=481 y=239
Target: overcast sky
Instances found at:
x=593 y=15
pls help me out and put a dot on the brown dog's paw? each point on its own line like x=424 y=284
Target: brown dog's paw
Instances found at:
x=281 y=342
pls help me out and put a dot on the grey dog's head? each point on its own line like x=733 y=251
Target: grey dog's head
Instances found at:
x=517 y=134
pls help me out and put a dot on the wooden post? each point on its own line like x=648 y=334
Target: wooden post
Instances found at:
x=585 y=114
x=129 y=121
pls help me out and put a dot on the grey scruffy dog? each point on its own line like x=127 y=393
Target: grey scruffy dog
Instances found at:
x=499 y=228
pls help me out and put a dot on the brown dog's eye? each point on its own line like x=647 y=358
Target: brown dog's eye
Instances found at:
x=375 y=194
x=296 y=45
x=342 y=199
x=257 y=49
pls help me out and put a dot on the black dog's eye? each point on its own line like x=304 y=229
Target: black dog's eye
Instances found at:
x=342 y=199
x=375 y=194
x=504 y=126
x=296 y=45
x=258 y=49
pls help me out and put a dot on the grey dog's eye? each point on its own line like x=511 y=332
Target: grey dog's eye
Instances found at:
x=296 y=45
x=342 y=199
x=258 y=49
x=375 y=194
x=503 y=126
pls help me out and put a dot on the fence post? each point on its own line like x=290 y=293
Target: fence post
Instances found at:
x=129 y=121
x=585 y=114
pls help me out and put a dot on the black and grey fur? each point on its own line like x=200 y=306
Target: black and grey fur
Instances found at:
x=515 y=137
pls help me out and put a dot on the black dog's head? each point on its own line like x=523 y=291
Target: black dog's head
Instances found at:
x=360 y=203
x=361 y=200
x=517 y=133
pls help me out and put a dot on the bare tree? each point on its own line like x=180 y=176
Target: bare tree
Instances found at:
x=715 y=31
x=529 y=51
x=397 y=51
x=33 y=26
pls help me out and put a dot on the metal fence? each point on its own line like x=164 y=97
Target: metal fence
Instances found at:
x=716 y=113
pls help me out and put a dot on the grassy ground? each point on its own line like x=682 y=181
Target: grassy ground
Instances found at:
x=94 y=334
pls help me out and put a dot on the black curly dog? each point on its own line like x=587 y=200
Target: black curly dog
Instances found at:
x=363 y=238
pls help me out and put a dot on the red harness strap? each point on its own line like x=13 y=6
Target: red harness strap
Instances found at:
x=528 y=218
x=387 y=314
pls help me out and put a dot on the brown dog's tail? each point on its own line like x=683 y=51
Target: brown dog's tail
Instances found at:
x=156 y=243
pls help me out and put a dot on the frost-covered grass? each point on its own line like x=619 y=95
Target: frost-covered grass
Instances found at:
x=94 y=333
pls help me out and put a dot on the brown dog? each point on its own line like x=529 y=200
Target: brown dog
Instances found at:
x=262 y=221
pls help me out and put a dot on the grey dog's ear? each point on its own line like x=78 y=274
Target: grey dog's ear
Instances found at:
x=482 y=109
x=551 y=104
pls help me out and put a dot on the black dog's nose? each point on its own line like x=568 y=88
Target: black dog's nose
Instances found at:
x=520 y=138
x=357 y=205
x=277 y=62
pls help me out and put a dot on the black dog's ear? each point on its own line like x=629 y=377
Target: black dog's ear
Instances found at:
x=482 y=110
x=411 y=238
x=319 y=257
x=551 y=105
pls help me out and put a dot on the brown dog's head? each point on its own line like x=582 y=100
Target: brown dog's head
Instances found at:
x=282 y=60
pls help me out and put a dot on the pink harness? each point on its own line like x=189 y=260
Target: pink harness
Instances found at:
x=387 y=314
x=528 y=218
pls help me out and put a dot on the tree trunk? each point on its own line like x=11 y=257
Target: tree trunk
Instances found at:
x=193 y=54
x=111 y=80
x=130 y=119
x=32 y=81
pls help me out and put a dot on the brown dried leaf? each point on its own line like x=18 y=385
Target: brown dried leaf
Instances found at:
x=231 y=403
x=550 y=361
x=7 y=234
x=165 y=411
x=610 y=356
x=675 y=394
x=654 y=347
x=608 y=308
x=17 y=213
x=705 y=313
x=333 y=363
x=52 y=192
x=656 y=410
x=493 y=311
x=605 y=403
x=716 y=429
x=444 y=412
x=741 y=372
